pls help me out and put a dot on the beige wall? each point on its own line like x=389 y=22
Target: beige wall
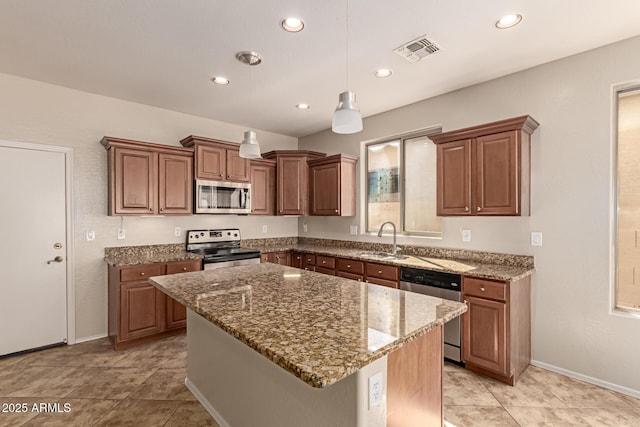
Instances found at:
x=571 y=201
x=45 y=114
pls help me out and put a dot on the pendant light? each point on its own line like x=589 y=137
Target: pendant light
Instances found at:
x=249 y=148
x=347 y=117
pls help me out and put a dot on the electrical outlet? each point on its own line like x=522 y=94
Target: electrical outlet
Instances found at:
x=536 y=238
x=375 y=390
x=121 y=233
x=177 y=231
x=304 y=228
x=466 y=235
x=91 y=236
x=353 y=230
x=264 y=228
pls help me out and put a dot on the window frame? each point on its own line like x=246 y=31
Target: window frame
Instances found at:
x=616 y=90
x=402 y=177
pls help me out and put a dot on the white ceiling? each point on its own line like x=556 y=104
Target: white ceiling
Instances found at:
x=164 y=52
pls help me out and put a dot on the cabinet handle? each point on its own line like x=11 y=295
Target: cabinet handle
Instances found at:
x=150 y=209
x=466 y=208
x=184 y=268
x=161 y=209
x=142 y=274
x=348 y=265
x=482 y=289
x=478 y=208
x=324 y=262
x=336 y=211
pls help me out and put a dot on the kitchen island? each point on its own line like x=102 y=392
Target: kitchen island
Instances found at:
x=276 y=345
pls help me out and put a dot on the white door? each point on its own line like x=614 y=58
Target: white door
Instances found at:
x=33 y=284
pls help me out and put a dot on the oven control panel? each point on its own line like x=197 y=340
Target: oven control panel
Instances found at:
x=212 y=236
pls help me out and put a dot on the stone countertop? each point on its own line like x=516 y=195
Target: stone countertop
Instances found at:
x=148 y=254
x=473 y=268
x=320 y=328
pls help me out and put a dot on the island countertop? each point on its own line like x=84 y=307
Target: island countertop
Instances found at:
x=318 y=327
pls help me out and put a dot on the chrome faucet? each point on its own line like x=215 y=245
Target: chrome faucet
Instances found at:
x=395 y=248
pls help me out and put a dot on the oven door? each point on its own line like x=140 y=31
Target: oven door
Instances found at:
x=233 y=263
x=219 y=197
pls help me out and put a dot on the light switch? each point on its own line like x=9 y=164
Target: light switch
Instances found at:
x=91 y=236
x=536 y=238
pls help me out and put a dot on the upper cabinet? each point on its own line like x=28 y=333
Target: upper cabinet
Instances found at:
x=217 y=160
x=332 y=185
x=292 y=180
x=485 y=170
x=148 y=179
x=263 y=187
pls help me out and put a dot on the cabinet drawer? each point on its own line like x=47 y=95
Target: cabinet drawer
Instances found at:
x=350 y=266
x=141 y=272
x=484 y=289
x=183 y=266
x=309 y=259
x=382 y=271
x=325 y=261
x=323 y=270
x=383 y=282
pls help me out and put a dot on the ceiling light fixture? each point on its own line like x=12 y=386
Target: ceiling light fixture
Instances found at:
x=292 y=24
x=303 y=106
x=220 y=80
x=347 y=118
x=249 y=148
x=383 y=73
x=509 y=21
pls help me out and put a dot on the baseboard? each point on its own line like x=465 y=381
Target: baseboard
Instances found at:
x=205 y=403
x=91 y=338
x=614 y=387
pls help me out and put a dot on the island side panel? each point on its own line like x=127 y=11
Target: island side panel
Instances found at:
x=240 y=387
x=414 y=382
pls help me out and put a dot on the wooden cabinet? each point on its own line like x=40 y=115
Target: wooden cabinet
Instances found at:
x=326 y=265
x=263 y=187
x=485 y=170
x=332 y=185
x=279 y=257
x=350 y=269
x=138 y=312
x=382 y=274
x=148 y=179
x=292 y=180
x=218 y=160
x=296 y=259
x=496 y=329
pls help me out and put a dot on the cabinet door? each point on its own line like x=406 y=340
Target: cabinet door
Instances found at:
x=292 y=185
x=263 y=190
x=296 y=259
x=352 y=276
x=175 y=184
x=454 y=178
x=141 y=310
x=324 y=187
x=176 y=313
x=484 y=334
x=237 y=167
x=210 y=162
x=134 y=182
x=282 y=258
x=497 y=172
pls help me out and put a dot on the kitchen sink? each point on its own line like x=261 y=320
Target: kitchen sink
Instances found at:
x=381 y=255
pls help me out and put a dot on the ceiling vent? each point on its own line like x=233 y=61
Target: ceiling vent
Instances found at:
x=417 y=49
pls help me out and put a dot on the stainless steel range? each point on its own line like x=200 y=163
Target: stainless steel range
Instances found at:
x=220 y=248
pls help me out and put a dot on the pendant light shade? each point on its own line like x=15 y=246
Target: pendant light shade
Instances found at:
x=250 y=149
x=347 y=117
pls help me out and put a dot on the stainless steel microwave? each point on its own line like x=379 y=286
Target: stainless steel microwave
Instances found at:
x=220 y=197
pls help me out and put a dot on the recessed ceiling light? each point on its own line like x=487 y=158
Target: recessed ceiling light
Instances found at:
x=383 y=73
x=509 y=21
x=303 y=106
x=292 y=24
x=220 y=80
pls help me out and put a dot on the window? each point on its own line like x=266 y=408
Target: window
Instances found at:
x=627 y=292
x=401 y=185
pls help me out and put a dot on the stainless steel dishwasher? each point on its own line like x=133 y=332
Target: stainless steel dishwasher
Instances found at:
x=440 y=285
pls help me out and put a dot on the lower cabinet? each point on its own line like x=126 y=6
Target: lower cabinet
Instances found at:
x=496 y=329
x=138 y=312
x=280 y=257
x=350 y=269
x=382 y=274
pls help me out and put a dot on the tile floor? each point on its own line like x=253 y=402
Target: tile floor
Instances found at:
x=144 y=386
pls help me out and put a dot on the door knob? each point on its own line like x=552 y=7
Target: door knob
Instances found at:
x=56 y=259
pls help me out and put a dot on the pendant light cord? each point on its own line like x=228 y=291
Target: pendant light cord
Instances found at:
x=347 y=57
